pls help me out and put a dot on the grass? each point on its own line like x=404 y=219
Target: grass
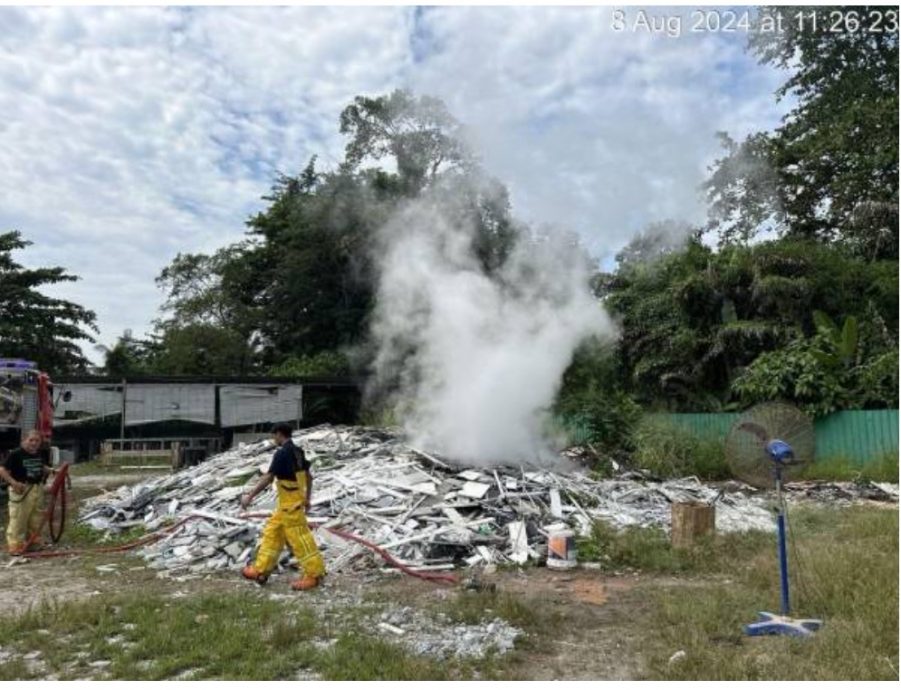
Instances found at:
x=649 y=550
x=532 y=616
x=80 y=535
x=837 y=469
x=844 y=567
x=225 y=636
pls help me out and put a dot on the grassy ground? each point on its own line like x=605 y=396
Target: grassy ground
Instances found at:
x=882 y=469
x=221 y=636
x=584 y=624
x=844 y=568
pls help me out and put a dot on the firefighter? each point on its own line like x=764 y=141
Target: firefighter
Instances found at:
x=25 y=470
x=293 y=486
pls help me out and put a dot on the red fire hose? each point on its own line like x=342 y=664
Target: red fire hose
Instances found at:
x=57 y=521
x=387 y=557
x=58 y=496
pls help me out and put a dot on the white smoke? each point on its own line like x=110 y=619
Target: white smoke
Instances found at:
x=479 y=359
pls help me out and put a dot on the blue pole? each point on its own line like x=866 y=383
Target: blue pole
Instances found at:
x=783 y=562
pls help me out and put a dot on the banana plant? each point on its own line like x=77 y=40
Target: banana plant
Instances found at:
x=842 y=341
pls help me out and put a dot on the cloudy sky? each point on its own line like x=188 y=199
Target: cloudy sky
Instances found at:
x=128 y=135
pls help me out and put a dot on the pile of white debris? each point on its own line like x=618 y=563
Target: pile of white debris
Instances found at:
x=418 y=507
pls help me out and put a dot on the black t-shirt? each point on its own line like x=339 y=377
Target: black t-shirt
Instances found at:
x=288 y=461
x=25 y=467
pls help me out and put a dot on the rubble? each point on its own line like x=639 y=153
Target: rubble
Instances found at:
x=418 y=507
x=438 y=636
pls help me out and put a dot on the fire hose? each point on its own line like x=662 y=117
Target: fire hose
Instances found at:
x=58 y=492
x=387 y=557
x=56 y=520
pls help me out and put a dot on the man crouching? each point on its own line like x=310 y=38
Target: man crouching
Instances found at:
x=293 y=486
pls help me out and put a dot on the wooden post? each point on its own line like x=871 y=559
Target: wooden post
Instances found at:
x=691 y=521
x=106 y=450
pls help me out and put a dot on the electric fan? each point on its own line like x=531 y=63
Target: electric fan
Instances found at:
x=766 y=446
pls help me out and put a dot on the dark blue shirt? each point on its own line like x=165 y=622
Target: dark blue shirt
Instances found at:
x=288 y=461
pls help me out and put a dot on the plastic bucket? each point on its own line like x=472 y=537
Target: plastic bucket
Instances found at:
x=561 y=550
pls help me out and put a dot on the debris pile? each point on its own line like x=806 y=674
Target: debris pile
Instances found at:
x=442 y=638
x=416 y=506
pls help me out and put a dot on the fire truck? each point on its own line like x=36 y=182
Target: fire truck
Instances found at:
x=26 y=403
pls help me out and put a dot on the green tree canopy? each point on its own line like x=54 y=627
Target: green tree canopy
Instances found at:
x=830 y=171
x=693 y=320
x=37 y=327
x=303 y=282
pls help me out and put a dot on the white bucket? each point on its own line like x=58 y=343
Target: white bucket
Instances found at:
x=561 y=550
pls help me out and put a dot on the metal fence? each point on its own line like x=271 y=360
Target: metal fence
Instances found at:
x=857 y=436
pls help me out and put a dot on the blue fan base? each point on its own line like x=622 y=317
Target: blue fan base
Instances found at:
x=774 y=624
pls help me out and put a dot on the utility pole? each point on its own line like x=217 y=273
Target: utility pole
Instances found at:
x=122 y=422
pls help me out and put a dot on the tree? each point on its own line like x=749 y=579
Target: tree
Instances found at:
x=199 y=349
x=315 y=247
x=419 y=133
x=212 y=296
x=830 y=171
x=37 y=327
x=825 y=372
x=693 y=320
x=128 y=357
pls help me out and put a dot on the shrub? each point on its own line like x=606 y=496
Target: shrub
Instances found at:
x=666 y=450
x=325 y=363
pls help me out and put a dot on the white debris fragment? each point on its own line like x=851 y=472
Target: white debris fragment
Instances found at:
x=519 y=546
x=678 y=656
x=474 y=489
x=391 y=628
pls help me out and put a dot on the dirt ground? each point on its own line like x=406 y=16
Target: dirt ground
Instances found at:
x=598 y=641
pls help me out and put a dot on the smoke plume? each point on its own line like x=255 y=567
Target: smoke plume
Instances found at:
x=476 y=359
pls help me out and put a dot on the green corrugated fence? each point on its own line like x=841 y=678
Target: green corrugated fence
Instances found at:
x=860 y=436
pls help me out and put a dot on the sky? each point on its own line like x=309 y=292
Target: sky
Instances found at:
x=128 y=135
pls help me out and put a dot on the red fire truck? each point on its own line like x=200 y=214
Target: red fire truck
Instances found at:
x=26 y=402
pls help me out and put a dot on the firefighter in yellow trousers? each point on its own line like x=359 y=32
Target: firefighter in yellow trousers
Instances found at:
x=24 y=470
x=293 y=486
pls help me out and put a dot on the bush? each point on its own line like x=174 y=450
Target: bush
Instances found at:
x=325 y=363
x=669 y=451
x=608 y=417
x=592 y=403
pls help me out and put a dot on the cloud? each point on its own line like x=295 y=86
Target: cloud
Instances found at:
x=600 y=130
x=130 y=134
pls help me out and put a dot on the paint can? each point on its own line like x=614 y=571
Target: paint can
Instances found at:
x=561 y=550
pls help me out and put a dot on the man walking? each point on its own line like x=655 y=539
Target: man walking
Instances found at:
x=293 y=486
x=24 y=470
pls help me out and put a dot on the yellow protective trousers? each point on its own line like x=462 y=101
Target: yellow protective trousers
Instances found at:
x=25 y=515
x=289 y=524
